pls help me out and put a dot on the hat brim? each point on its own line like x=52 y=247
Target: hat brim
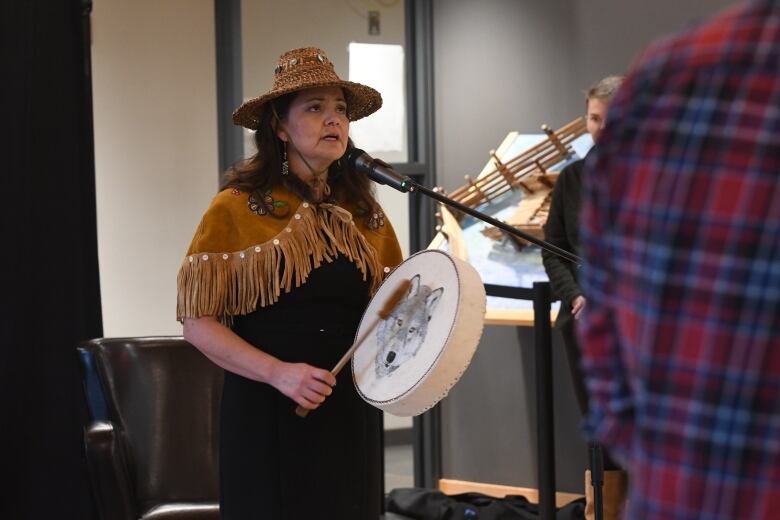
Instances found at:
x=362 y=101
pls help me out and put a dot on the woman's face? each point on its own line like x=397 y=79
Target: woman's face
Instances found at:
x=596 y=113
x=316 y=129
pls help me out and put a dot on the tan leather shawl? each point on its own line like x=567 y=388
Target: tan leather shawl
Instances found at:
x=239 y=259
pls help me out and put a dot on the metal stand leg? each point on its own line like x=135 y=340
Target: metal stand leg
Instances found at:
x=544 y=401
x=597 y=479
x=541 y=296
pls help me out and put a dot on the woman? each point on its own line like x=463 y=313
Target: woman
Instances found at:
x=562 y=230
x=272 y=289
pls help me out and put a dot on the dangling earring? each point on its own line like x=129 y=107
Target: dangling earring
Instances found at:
x=285 y=164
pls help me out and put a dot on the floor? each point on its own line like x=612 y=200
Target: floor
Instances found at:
x=399 y=472
x=393 y=516
x=399 y=467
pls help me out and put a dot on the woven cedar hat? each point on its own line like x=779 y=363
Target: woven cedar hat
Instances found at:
x=304 y=68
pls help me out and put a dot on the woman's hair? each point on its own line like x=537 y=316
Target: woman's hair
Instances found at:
x=263 y=170
x=604 y=89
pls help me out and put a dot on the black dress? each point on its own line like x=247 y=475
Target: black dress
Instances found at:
x=276 y=465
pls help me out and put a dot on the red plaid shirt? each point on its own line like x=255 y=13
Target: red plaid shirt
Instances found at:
x=681 y=236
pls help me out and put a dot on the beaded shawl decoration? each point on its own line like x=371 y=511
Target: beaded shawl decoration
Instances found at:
x=242 y=257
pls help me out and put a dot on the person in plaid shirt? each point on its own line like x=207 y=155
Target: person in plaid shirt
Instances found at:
x=681 y=240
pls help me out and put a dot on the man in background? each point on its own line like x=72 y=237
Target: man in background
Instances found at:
x=681 y=240
x=562 y=229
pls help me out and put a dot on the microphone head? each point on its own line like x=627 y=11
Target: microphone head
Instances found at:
x=352 y=155
x=377 y=171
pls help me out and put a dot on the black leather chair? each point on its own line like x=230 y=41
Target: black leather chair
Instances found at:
x=152 y=442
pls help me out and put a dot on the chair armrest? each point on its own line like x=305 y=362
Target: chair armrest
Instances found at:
x=109 y=473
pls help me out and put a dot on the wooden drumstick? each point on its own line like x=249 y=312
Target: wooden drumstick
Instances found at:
x=391 y=303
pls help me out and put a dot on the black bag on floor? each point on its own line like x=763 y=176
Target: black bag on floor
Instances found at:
x=429 y=504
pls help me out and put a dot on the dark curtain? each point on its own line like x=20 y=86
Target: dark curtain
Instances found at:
x=50 y=284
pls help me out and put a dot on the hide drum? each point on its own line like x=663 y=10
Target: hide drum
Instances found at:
x=408 y=362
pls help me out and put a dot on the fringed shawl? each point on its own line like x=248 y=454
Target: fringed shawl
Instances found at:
x=239 y=259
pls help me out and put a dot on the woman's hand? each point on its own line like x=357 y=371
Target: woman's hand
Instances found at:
x=306 y=385
x=577 y=304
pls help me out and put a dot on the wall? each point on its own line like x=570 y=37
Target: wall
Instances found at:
x=155 y=152
x=156 y=132
x=489 y=418
x=534 y=59
x=519 y=52
x=499 y=65
x=268 y=28
x=599 y=24
x=503 y=65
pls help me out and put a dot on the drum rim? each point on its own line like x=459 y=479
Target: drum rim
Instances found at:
x=449 y=257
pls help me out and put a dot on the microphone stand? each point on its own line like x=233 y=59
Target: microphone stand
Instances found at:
x=405 y=184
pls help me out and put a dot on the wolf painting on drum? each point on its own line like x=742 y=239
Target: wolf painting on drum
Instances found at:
x=402 y=334
x=409 y=362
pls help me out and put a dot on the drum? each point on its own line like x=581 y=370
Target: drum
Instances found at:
x=409 y=361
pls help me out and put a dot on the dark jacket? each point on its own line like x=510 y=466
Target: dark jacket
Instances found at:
x=562 y=230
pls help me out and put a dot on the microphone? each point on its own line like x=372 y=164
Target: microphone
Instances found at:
x=378 y=171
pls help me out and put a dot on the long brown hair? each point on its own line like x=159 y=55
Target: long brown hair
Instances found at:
x=263 y=170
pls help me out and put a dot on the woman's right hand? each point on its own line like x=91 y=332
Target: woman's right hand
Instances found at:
x=308 y=386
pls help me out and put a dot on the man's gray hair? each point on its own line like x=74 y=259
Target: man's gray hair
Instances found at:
x=604 y=89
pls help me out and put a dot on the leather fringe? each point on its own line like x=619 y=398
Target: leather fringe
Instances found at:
x=233 y=283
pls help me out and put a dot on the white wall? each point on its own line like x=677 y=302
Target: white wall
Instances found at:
x=154 y=84
x=154 y=81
